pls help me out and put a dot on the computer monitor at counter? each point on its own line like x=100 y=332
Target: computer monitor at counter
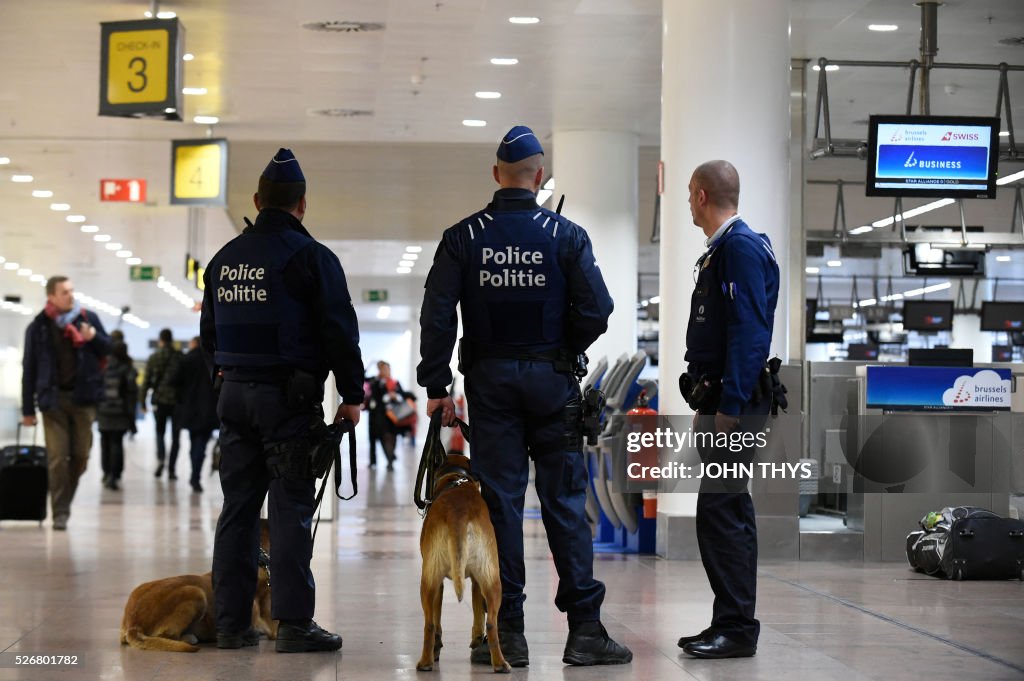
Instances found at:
x=940 y=357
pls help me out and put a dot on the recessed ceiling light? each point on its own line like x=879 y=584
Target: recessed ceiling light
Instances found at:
x=90 y=229
x=504 y=61
x=193 y=91
x=101 y=237
x=75 y=218
x=1003 y=258
x=414 y=249
x=11 y=265
x=188 y=56
x=830 y=67
x=835 y=263
x=1004 y=133
x=403 y=270
x=21 y=178
x=60 y=206
x=165 y=15
x=42 y=193
x=24 y=272
x=383 y=312
x=884 y=28
x=474 y=123
x=133 y=261
x=485 y=94
x=147 y=14
x=38 y=278
x=863 y=229
x=410 y=256
x=811 y=270
x=170 y=109
x=406 y=263
x=114 y=246
x=206 y=120
x=4 y=160
x=1019 y=175
x=523 y=20
x=124 y=254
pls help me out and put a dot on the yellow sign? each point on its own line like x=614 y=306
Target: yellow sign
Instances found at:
x=137 y=69
x=140 y=68
x=199 y=171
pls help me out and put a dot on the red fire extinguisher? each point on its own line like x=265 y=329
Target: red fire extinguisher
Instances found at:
x=638 y=419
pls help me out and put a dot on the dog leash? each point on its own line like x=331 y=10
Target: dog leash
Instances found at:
x=342 y=428
x=432 y=459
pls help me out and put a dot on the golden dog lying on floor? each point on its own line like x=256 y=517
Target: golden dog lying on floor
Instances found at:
x=457 y=541
x=175 y=613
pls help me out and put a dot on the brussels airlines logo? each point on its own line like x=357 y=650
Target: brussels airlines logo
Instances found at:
x=961 y=136
x=897 y=136
x=911 y=162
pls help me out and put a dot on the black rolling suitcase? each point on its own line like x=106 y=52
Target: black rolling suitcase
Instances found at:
x=985 y=548
x=23 y=481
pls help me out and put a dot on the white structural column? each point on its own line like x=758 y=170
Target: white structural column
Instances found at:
x=725 y=95
x=597 y=172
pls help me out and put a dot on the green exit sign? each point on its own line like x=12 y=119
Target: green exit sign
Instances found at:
x=375 y=295
x=145 y=272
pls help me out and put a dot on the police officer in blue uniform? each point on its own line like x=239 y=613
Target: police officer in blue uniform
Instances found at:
x=277 y=317
x=532 y=297
x=727 y=344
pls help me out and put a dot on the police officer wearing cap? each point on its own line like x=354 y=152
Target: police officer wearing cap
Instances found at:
x=532 y=296
x=277 y=317
x=727 y=343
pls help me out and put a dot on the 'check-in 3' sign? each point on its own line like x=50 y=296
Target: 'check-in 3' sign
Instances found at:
x=133 y=191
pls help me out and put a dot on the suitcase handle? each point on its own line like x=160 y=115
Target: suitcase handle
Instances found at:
x=35 y=434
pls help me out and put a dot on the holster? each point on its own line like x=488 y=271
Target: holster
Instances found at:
x=702 y=394
x=302 y=390
x=307 y=456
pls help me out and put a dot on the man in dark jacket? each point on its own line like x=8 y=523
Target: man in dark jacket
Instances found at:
x=197 y=407
x=161 y=379
x=62 y=373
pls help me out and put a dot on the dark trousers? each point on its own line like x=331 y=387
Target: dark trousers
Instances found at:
x=197 y=441
x=518 y=413
x=112 y=453
x=381 y=430
x=164 y=413
x=727 y=536
x=253 y=414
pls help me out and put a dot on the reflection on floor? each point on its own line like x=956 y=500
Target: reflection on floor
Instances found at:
x=64 y=593
x=822 y=523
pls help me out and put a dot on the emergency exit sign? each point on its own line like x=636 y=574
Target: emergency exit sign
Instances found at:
x=375 y=295
x=145 y=272
x=132 y=191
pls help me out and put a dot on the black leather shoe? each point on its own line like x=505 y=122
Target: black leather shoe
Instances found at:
x=238 y=639
x=718 y=647
x=706 y=634
x=513 y=647
x=307 y=637
x=589 y=644
x=172 y=476
x=159 y=471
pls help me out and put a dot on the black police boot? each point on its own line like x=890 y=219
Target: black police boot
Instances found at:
x=305 y=637
x=512 y=642
x=238 y=639
x=590 y=644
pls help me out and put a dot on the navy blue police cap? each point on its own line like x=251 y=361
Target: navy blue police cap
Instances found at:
x=519 y=143
x=284 y=168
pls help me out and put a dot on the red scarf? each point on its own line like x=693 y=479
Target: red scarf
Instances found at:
x=71 y=331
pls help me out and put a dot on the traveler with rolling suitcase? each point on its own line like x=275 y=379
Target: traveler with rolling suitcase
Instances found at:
x=62 y=373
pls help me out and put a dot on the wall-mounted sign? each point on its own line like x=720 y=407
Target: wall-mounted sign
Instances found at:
x=199 y=172
x=140 y=68
x=144 y=272
x=132 y=191
x=938 y=388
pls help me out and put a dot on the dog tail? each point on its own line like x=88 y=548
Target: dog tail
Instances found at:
x=457 y=559
x=134 y=637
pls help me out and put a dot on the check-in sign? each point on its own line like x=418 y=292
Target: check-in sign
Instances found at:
x=199 y=172
x=140 y=68
x=132 y=191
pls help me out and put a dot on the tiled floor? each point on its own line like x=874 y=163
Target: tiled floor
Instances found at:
x=64 y=593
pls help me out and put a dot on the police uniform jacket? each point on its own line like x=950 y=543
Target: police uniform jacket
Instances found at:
x=275 y=299
x=732 y=312
x=526 y=279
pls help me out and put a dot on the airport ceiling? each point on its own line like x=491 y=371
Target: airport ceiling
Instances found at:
x=391 y=161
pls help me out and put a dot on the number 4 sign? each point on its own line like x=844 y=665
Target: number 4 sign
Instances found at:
x=140 y=68
x=199 y=172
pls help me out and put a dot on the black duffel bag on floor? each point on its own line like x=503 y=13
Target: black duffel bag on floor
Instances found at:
x=967 y=542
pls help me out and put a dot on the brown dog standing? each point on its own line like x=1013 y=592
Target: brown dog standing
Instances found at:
x=457 y=541
x=175 y=613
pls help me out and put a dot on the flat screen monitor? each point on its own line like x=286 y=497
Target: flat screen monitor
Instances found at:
x=928 y=315
x=1002 y=316
x=933 y=156
x=862 y=351
x=1002 y=353
x=941 y=357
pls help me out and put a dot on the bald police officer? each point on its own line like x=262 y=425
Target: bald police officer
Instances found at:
x=727 y=343
x=277 y=317
x=532 y=297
